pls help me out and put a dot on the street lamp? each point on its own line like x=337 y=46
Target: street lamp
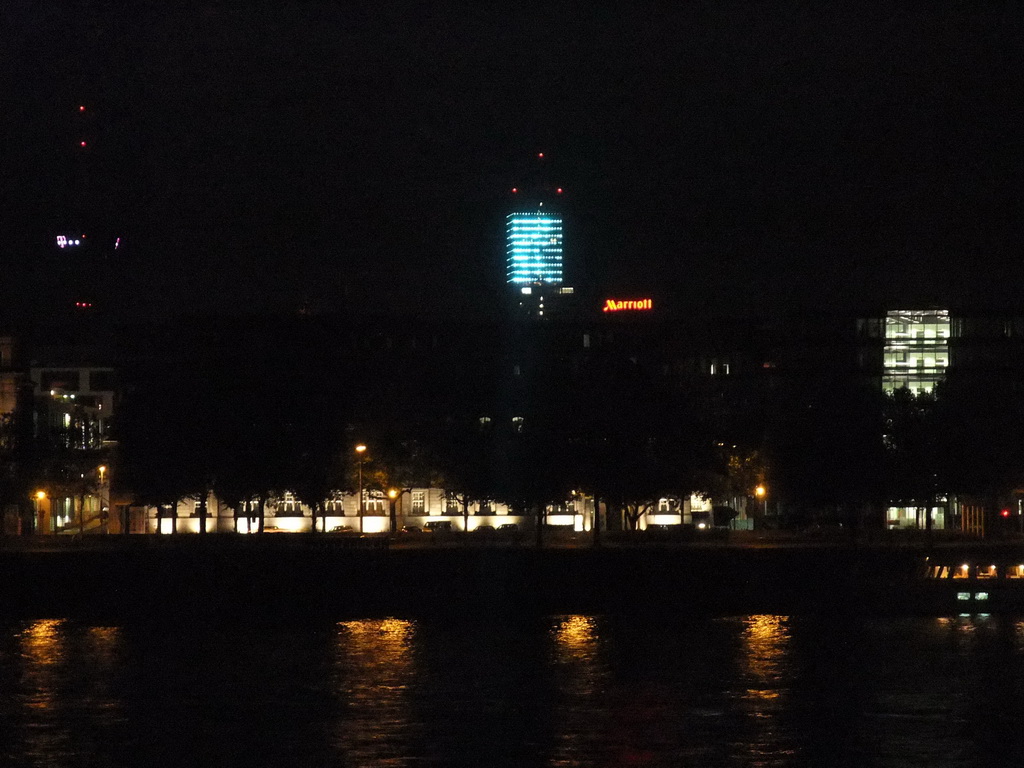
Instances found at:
x=393 y=494
x=40 y=496
x=361 y=451
x=103 y=506
x=762 y=495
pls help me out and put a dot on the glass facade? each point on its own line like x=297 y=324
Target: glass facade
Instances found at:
x=916 y=349
x=534 y=247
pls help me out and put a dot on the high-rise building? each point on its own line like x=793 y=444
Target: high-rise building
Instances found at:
x=79 y=268
x=533 y=247
x=534 y=252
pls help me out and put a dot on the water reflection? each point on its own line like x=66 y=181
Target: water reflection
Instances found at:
x=63 y=698
x=563 y=691
x=580 y=689
x=39 y=724
x=768 y=674
x=374 y=671
x=575 y=638
x=42 y=653
x=764 y=655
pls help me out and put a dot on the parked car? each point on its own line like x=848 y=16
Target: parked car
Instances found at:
x=508 y=528
x=342 y=529
x=438 y=526
x=484 y=530
x=411 y=529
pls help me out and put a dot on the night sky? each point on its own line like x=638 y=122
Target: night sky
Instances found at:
x=740 y=157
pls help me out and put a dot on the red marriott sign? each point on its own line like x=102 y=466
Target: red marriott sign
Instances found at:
x=627 y=305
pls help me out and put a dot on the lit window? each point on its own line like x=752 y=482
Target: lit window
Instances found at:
x=1015 y=572
x=987 y=572
x=288 y=505
x=373 y=503
x=962 y=572
x=963 y=595
x=419 y=502
x=981 y=595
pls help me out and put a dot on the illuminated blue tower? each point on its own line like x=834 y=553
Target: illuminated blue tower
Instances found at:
x=533 y=247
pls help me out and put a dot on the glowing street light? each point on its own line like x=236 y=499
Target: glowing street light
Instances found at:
x=762 y=495
x=361 y=452
x=393 y=494
x=38 y=498
x=104 y=504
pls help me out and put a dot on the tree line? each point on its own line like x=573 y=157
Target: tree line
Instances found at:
x=520 y=415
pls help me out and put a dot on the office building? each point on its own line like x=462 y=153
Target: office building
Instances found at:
x=916 y=351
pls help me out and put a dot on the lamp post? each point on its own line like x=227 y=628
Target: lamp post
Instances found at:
x=103 y=506
x=40 y=497
x=762 y=495
x=361 y=451
x=393 y=494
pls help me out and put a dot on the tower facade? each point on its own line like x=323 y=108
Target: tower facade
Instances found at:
x=534 y=246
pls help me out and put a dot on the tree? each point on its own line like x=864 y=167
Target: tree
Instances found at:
x=978 y=421
x=825 y=447
x=911 y=440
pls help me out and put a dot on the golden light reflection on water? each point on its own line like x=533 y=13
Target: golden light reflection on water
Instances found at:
x=42 y=652
x=389 y=630
x=766 y=641
x=582 y=684
x=39 y=642
x=575 y=637
x=375 y=671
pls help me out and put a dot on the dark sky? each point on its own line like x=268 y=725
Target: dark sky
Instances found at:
x=738 y=155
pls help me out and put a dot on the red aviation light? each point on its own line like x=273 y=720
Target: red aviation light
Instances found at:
x=81 y=143
x=515 y=190
x=1005 y=513
x=540 y=155
x=558 y=191
x=81 y=108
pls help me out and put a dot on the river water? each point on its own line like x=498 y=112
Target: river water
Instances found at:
x=757 y=690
